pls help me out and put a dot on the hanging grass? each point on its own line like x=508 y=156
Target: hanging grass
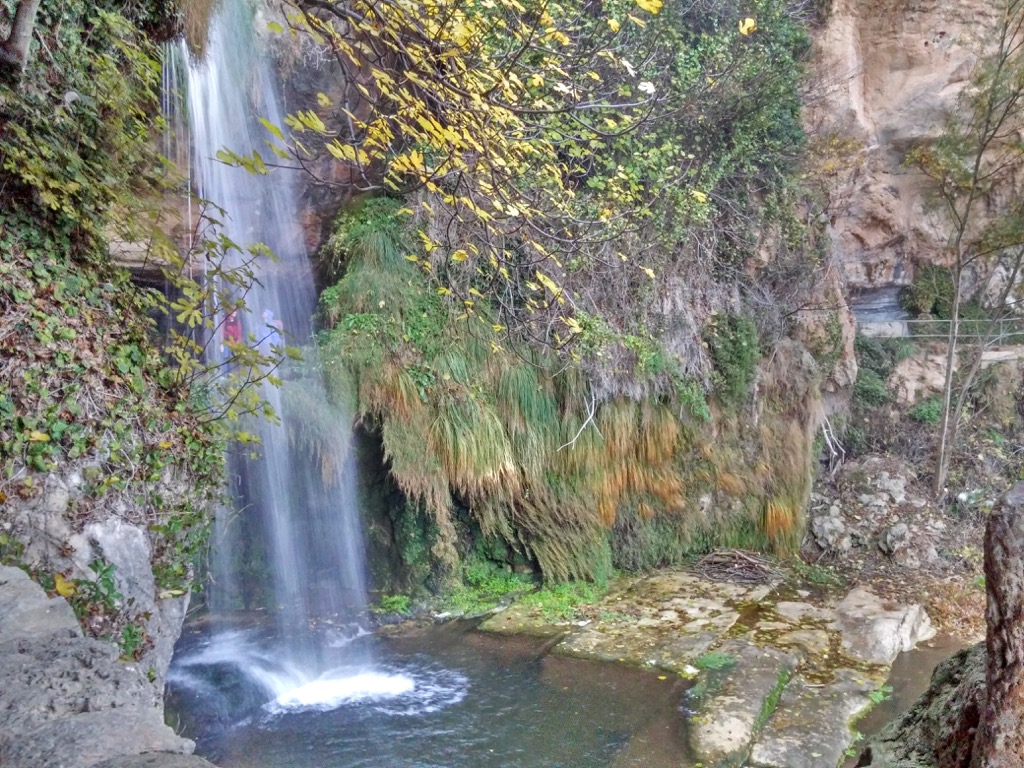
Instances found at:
x=568 y=482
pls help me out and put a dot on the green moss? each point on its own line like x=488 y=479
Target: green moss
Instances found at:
x=714 y=660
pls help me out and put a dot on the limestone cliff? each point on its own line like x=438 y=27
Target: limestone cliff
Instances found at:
x=888 y=74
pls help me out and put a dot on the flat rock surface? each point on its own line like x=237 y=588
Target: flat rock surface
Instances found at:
x=838 y=651
x=812 y=726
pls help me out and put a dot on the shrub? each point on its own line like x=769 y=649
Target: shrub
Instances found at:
x=869 y=391
x=931 y=293
x=735 y=349
x=928 y=411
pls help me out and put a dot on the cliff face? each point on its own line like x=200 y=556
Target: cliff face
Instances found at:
x=888 y=75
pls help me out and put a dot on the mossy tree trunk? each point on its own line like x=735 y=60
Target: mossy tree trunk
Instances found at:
x=1000 y=739
x=14 y=50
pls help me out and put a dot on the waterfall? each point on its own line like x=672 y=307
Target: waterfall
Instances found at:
x=303 y=512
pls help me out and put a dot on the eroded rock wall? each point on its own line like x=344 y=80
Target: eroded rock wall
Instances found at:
x=887 y=77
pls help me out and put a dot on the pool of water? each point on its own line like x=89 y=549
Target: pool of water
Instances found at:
x=446 y=697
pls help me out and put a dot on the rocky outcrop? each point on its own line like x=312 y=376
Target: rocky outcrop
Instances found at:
x=43 y=523
x=67 y=700
x=876 y=503
x=889 y=74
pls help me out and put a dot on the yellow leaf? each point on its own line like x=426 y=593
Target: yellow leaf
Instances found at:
x=699 y=196
x=168 y=593
x=747 y=26
x=572 y=324
x=614 y=25
x=548 y=283
x=38 y=437
x=412 y=258
x=460 y=255
x=498 y=328
x=651 y=6
x=272 y=128
x=165 y=444
x=443 y=291
x=428 y=244
x=649 y=272
x=64 y=587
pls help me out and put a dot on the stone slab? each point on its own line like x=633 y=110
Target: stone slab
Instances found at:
x=724 y=720
x=811 y=727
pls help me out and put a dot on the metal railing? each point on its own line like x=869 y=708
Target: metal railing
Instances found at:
x=1000 y=331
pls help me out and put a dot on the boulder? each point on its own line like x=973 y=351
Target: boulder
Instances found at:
x=894 y=538
x=829 y=532
x=876 y=631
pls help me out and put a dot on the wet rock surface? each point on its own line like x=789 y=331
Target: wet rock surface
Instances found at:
x=779 y=675
x=67 y=701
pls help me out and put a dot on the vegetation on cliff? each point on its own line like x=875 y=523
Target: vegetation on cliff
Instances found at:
x=101 y=415
x=561 y=367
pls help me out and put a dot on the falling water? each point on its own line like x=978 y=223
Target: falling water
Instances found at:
x=302 y=509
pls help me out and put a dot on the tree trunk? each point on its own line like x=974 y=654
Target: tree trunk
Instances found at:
x=1000 y=739
x=946 y=429
x=14 y=50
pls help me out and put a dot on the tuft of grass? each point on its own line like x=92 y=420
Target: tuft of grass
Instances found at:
x=771 y=701
x=714 y=660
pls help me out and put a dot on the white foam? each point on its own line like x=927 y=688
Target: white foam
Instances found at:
x=327 y=692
